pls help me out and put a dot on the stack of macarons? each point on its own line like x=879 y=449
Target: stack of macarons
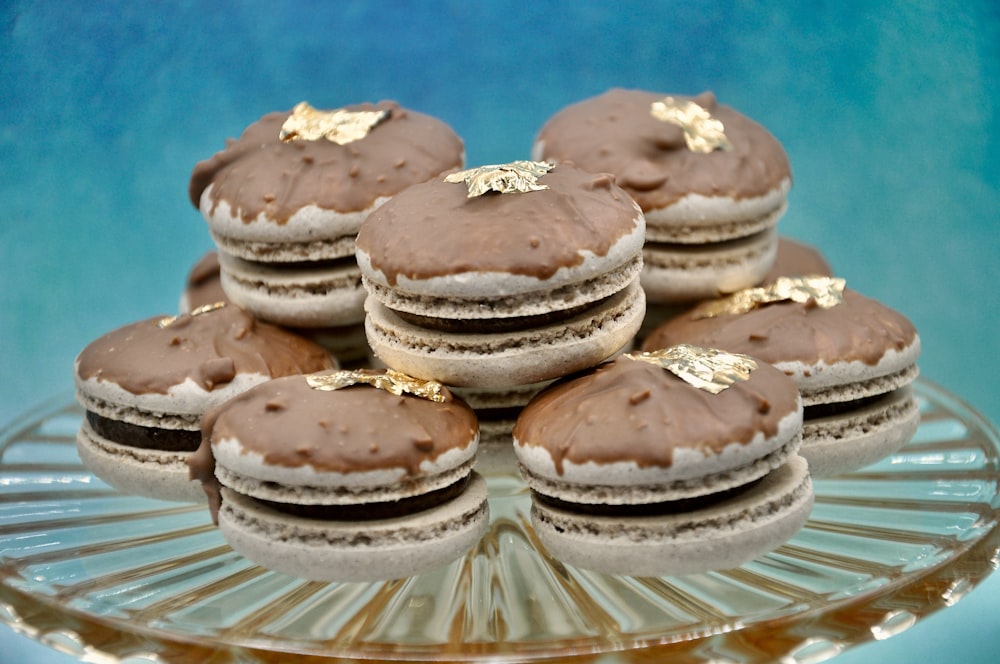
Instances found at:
x=345 y=476
x=852 y=357
x=674 y=462
x=501 y=278
x=145 y=387
x=284 y=203
x=712 y=184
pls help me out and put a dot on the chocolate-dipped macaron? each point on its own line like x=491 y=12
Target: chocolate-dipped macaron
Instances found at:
x=668 y=463
x=145 y=387
x=204 y=285
x=852 y=357
x=345 y=476
x=503 y=275
x=712 y=183
x=284 y=202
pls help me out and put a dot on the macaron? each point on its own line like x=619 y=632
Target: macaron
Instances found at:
x=285 y=200
x=852 y=357
x=145 y=387
x=345 y=476
x=503 y=275
x=712 y=183
x=668 y=463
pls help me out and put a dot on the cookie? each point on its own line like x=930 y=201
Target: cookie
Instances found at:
x=204 y=285
x=284 y=203
x=503 y=286
x=647 y=465
x=852 y=357
x=712 y=184
x=146 y=386
x=334 y=477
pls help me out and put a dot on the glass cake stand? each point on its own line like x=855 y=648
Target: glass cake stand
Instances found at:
x=114 y=578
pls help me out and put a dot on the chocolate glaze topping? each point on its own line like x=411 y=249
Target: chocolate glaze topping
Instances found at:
x=434 y=229
x=859 y=329
x=615 y=133
x=624 y=410
x=353 y=429
x=210 y=349
x=259 y=173
x=203 y=284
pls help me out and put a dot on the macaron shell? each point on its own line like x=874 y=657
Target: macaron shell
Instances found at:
x=138 y=472
x=679 y=274
x=720 y=536
x=356 y=551
x=512 y=358
x=854 y=439
x=308 y=297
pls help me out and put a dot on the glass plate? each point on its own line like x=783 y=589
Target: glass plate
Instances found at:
x=112 y=577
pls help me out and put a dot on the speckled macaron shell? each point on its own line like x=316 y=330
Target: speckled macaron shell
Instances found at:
x=434 y=251
x=354 y=445
x=512 y=358
x=687 y=196
x=721 y=535
x=630 y=432
x=685 y=273
x=310 y=297
x=269 y=200
x=339 y=552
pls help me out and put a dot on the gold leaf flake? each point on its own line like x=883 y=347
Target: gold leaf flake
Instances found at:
x=197 y=311
x=702 y=132
x=514 y=177
x=339 y=126
x=826 y=292
x=391 y=381
x=707 y=369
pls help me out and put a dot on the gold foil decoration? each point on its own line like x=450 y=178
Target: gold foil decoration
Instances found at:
x=197 y=311
x=707 y=369
x=514 y=177
x=391 y=381
x=826 y=292
x=702 y=132
x=339 y=126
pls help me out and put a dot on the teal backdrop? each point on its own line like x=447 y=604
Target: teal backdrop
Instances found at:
x=888 y=111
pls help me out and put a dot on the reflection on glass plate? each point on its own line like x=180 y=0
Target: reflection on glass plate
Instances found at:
x=112 y=577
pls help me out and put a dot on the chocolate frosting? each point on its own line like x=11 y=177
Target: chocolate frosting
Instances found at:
x=259 y=173
x=859 y=329
x=435 y=229
x=353 y=429
x=625 y=410
x=615 y=133
x=797 y=260
x=204 y=285
x=209 y=348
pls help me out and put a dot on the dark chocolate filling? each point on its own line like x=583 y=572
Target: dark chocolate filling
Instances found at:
x=142 y=437
x=493 y=325
x=366 y=511
x=837 y=408
x=679 y=506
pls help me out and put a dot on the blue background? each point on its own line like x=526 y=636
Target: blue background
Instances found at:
x=888 y=112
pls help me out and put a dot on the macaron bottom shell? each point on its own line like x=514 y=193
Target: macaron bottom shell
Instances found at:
x=722 y=535
x=856 y=438
x=136 y=471
x=366 y=550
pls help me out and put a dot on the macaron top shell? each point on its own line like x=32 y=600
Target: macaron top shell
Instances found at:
x=859 y=339
x=261 y=177
x=629 y=422
x=796 y=259
x=616 y=133
x=434 y=239
x=290 y=432
x=187 y=363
